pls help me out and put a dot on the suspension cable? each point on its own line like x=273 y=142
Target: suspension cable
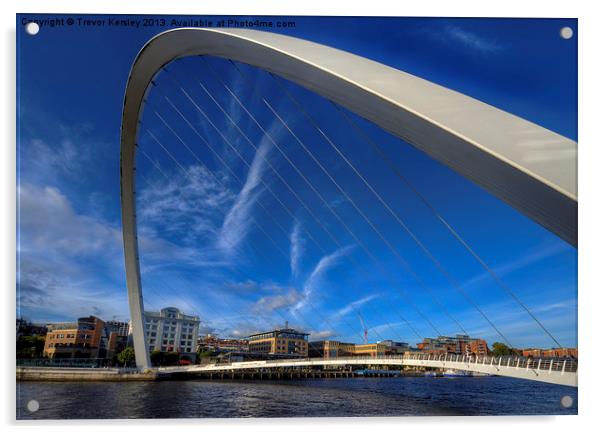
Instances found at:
x=219 y=181
x=380 y=151
x=234 y=175
x=311 y=186
x=329 y=141
x=316 y=219
x=268 y=188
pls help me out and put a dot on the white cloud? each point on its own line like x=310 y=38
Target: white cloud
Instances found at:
x=185 y=205
x=520 y=262
x=322 y=334
x=48 y=224
x=48 y=292
x=465 y=42
x=354 y=305
x=561 y=305
x=323 y=265
x=559 y=316
x=41 y=160
x=271 y=303
x=247 y=286
x=388 y=327
x=524 y=333
x=66 y=153
x=236 y=223
x=64 y=156
x=297 y=247
x=61 y=252
x=72 y=263
x=250 y=286
x=472 y=40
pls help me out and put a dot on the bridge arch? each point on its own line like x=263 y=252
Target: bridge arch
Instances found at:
x=527 y=166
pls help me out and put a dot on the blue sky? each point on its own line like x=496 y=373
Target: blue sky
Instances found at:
x=232 y=231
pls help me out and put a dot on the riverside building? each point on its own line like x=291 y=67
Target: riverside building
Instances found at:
x=82 y=339
x=122 y=328
x=281 y=341
x=459 y=344
x=213 y=343
x=118 y=333
x=334 y=349
x=172 y=330
x=552 y=352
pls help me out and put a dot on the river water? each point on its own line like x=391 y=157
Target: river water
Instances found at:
x=403 y=396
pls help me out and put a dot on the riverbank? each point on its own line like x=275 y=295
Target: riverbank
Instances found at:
x=30 y=373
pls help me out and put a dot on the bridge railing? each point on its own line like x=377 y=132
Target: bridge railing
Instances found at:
x=539 y=364
x=550 y=364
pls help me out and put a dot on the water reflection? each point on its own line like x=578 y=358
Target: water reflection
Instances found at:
x=312 y=397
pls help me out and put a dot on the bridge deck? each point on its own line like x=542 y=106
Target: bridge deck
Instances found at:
x=556 y=371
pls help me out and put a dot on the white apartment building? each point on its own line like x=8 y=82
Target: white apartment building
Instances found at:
x=172 y=330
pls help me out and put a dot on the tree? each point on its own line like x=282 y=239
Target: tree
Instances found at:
x=204 y=354
x=500 y=349
x=30 y=347
x=127 y=356
x=156 y=357
x=171 y=358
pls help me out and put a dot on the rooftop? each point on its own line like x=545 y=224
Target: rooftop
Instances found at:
x=285 y=330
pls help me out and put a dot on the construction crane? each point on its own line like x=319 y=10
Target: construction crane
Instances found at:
x=363 y=327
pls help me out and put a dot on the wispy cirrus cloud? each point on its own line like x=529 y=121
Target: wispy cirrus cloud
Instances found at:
x=297 y=247
x=520 y=262
x=272 y=303
x=60 y=158
x=354 y=305
x=322 y=334
x=186 y=206
x=236 y=222
x=570 y=304
x=67 y=154
x=321 y=268
x=473 y=40
x=522 y=333
x=466 y=41
x=518 y=326
x=251 y=286
x=385 y=328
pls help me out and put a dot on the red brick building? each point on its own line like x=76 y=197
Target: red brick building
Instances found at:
x=81 y=339
x=552 y=352
x=459 y=344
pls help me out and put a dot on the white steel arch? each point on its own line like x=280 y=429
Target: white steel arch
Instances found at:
x=527 y=166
